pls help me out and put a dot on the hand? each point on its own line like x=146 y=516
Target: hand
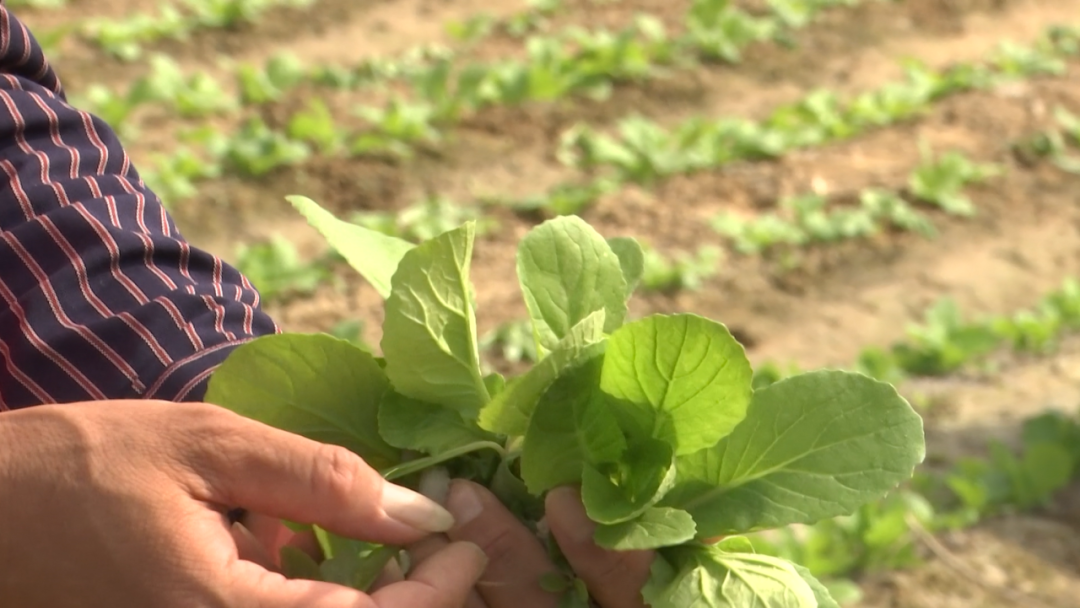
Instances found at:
x=517 y=560
x=122 y=503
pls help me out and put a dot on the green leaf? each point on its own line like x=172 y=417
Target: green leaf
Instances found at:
x=429 y=333
x=373 y=254
x=417 y=425
x=812 y=446
x=571 y=426
x=821 y=593
x=682 y=379
x=509 y=412
x=631 y=259
x=349 y=562
x=707 y=577
x=623 y=492
x=656 y=527
x=313 y=385
x=567 y=272
x=297 y=564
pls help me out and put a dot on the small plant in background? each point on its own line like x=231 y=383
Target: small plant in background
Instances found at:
x=261 y=85
x=940 y=181
x=275 y=268
x=424 y=220
x=669 y=273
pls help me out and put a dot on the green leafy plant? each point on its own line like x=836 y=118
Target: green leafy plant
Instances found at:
x=275 y=268
x=940 y=181
x=655 y=418
x=424 y=220
x=681 y=271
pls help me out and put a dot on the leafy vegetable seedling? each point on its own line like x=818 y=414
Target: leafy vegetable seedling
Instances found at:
x=654 y=418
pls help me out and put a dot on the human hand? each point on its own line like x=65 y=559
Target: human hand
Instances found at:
x=122 y=503
x=517 y=560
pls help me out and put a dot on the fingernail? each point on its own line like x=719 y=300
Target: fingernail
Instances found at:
x=566 y=513
x=464 y=503
x=414 y=510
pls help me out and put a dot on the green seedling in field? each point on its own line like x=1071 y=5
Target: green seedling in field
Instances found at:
x=424 y=220
x=654 y=418
x=315 y=125
x=192 y=96
x=125 y=38
x=261 y=85
x=718 y=31
x=255 y=150
x=396 y=127
x=944 y=343
x=276 y=270
x=1061 y=145
x=1047 y=462
x=941 y=181
x=173 y=176
x=681 y=271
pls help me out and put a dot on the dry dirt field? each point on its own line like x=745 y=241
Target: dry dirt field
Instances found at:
x=1023 y=242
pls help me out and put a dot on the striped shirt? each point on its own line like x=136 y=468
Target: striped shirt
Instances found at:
x=100 y=295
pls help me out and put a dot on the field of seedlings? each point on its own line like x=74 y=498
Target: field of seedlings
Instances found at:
x=885 y=186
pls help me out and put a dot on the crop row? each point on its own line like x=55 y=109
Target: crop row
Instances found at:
x=573 y=61
x=643 y=152
x=576 y=61
x=817 y=218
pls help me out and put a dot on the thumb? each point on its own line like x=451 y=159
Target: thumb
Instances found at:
x=231 y=460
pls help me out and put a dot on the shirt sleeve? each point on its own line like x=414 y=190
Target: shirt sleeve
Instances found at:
x=100 y=296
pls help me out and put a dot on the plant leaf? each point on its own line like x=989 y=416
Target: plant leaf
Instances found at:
x=682 y=379
x=571 y=426
x=429 y=333
x=373 y=254
x=695 y=576
x=641 y=478
x=297 y=564
x=509 y=412
x=631 y=259
x=567 y=272
x=656 y=527
x=313 y=385
x=821 y=593
x=417 y=425
x=812 y=446
x=349 y=562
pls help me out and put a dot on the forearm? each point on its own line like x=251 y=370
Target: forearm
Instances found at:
x=100 y=296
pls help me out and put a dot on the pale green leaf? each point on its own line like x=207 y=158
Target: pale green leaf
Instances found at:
x=631 y=259
x=567 y=272
x=313 y=385
x=812 y=446
x=429 y=333
x=373 y=254
x=695 y=576
x=509 y=412
x=656 y=527
x=297 y=564
x=682 y=379
x=571 y=426
x=821 y=593
x=417 y=425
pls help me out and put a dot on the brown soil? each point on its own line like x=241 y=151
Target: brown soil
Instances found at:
x=1024 y=241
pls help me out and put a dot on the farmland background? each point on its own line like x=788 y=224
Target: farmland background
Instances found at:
x=793 y=176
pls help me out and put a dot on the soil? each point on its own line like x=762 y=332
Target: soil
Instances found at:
x=1023 y=242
